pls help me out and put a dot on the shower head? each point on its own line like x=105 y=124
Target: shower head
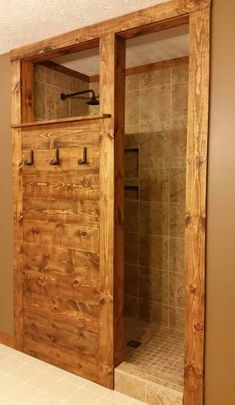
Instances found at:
x=92 y=101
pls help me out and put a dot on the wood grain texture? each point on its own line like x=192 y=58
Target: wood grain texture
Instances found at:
x=66 y=358
x=86 y=186
x=27 y=91
x=74 y=236
x=67 y=71
x=119 y=123
x=107 y=52
x=84 y=212
x=56 y=260
x=46 y=49
x=58 y=121
x=196 y=205
x=63 y=135
x=64 y=267
x=112 y=99
x=17 y=206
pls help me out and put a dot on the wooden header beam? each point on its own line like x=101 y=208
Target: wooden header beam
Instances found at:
x=150 y=67
x=169 y=14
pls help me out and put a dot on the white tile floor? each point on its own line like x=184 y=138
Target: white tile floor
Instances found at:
x=28 y=381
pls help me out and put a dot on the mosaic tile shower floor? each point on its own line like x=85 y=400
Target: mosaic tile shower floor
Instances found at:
x=159 y=358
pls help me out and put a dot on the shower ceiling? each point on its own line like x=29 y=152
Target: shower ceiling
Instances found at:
x=164 y=45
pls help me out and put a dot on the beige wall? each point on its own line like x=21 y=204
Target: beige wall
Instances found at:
x=220 y=329
x=6 y=279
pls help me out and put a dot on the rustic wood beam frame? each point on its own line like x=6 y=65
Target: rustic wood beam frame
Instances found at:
x=152 y=19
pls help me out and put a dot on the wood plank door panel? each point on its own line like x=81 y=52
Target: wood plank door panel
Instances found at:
x=64 y=302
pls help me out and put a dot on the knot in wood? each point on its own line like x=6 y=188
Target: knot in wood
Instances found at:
x=198 y=326
x=76 y=283
x=192 y=288
x=188 y=218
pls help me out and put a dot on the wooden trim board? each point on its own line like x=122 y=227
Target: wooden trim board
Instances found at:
x=7 y=340
x=195 y=219
x=17 y=203
x=67 y=71
x=27 y=91
x=149 y=67
x=62 y=120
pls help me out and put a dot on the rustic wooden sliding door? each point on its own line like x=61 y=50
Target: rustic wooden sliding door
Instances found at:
x=69 y=226
x=65 y=289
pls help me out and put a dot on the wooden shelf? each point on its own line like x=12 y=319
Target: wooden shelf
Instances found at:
x=62 y=120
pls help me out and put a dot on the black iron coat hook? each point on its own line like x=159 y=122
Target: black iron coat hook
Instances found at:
x=56 y=161
x=83 y=161
x=30 y=161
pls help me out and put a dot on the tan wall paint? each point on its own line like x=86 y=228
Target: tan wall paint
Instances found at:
x=6 y=262
x=220 y=328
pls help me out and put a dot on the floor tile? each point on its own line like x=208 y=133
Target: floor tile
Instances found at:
x=160 y=355
x=23 y=394
x=5 y=402
x=105 y=401
x=82 y=397
x=43 y=381
x=62 y=389
x=117 y=398
x=9 y=365
x=27 y=381
x=74 y=379
x=45 y=399
x=96 y=388
x=8 y=384
x=25 y=373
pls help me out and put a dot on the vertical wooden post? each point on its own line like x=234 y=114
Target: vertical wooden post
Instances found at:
x=17 y=204
x=27 y=91
x=112 y=88
x=119 y=176
x=196 y=205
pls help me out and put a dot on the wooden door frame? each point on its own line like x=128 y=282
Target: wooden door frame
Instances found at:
x=108 y=33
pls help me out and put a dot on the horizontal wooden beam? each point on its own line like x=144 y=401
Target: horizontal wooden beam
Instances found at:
x=46 y=54
x=155 y=27
x=7 y=340
x=152 y=15
x=157 y=65
x=149 y=67
x=62 y=120
x=67 y=71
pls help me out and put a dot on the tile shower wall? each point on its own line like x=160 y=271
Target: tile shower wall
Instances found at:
x=155 y=166
x=48 y=85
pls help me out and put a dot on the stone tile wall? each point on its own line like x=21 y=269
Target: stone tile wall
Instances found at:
x=155 y=166
x=48 y=85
